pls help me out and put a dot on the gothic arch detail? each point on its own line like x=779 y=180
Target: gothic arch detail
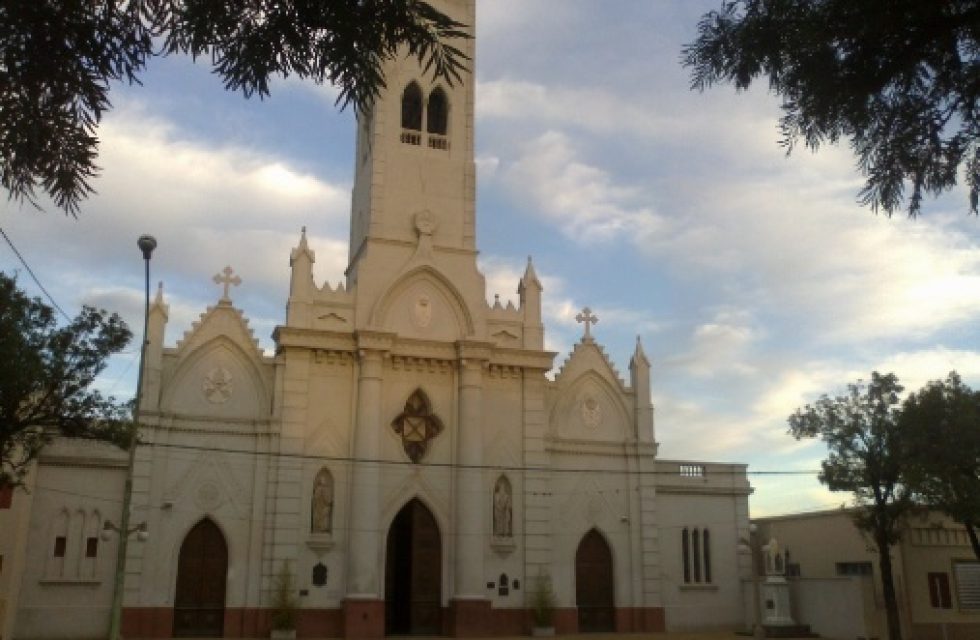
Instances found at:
x=417 y=425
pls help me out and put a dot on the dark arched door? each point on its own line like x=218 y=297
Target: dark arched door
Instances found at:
x=594 y=584
x=413 y=573
x=202 y=569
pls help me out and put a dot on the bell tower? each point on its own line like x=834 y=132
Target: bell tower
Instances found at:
x=414 y=158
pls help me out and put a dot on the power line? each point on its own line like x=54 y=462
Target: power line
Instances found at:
x=483 y=467
x=31 y=273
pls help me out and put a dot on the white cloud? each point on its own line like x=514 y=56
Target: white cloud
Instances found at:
x=583 y=200
x=720 y=345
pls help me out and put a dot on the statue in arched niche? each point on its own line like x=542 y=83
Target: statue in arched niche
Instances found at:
x=321 y=513
x=503 y=509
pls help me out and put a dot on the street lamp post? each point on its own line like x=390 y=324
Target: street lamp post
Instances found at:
x=146 y=244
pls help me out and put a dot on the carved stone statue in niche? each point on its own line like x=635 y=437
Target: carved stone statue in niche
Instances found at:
x=503 y=509
x=321 y=514
x=417 y=425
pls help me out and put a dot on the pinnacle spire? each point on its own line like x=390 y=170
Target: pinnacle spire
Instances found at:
x=301 y=249
x=529 y=278
x=639 y=357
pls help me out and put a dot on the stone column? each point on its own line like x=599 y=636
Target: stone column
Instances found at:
x=364 y=605
x=470 y=606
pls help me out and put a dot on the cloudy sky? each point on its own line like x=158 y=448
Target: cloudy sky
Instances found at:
x=756 y=281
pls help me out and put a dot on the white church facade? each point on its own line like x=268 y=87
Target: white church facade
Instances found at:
x=403 y=453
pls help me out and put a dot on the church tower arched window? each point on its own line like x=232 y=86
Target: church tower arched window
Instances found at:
x=412 y=114
x=434 y=111
x=438 y=112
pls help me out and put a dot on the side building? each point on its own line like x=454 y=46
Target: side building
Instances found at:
x=836 y=583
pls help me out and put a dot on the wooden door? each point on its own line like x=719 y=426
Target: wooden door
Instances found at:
x=413 y=573
x=202 y=569
x=594 y=584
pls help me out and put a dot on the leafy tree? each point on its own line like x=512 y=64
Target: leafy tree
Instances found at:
x=58 y=58
x=862 y=432
x=46 y=372
x=941 y=423
x=899 y=79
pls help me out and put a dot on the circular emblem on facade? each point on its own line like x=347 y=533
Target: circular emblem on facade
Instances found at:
x=422 y=312
x=217 y=386
x=425 y=222
x=208 y=496
x=591 y=412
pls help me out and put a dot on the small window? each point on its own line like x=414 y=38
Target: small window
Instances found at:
x=692 y=470
x=60 y=543
x=319 y=575
x=853 y=568
x=412 y=107
x=6 y=496
x=437 y=116
x=502 y=585
x=939 y=596
x=91 y=547
x=967 y=575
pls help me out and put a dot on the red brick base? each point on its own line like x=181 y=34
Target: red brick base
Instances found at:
x=468 y=618
x=366 y=619
x=363 y=619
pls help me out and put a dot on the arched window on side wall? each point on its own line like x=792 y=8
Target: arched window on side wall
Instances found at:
x=696 y=553
x=705 y=546
x=686 y=554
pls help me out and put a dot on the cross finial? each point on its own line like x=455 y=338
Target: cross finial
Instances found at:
x=225 y=278
x=589 y=319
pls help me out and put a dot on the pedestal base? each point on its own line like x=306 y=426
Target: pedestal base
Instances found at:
x=469 y=618
x=364 y=618
x=775 y=603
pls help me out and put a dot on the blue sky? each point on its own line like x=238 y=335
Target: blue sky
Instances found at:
x=755 y=280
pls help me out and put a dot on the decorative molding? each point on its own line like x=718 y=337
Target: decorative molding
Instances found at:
x=504 y=371
x=70 y=582
x=421 y=365
x=503 y=546
x=320 y=542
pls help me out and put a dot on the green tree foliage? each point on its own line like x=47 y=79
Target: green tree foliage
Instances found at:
x=59 y=57
x=866 y=452
x=46 y=372
x=284 y=600
x=941 y=423
x=900 y=79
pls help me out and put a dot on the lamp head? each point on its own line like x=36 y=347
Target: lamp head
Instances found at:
x=146 y=244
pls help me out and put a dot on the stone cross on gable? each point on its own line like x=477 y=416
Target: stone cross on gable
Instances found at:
x=225 y=278
x=589 y=319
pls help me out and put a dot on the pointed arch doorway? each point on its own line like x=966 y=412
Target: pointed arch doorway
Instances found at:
x=202 y=571
x=594 y=584
x=413 y=573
